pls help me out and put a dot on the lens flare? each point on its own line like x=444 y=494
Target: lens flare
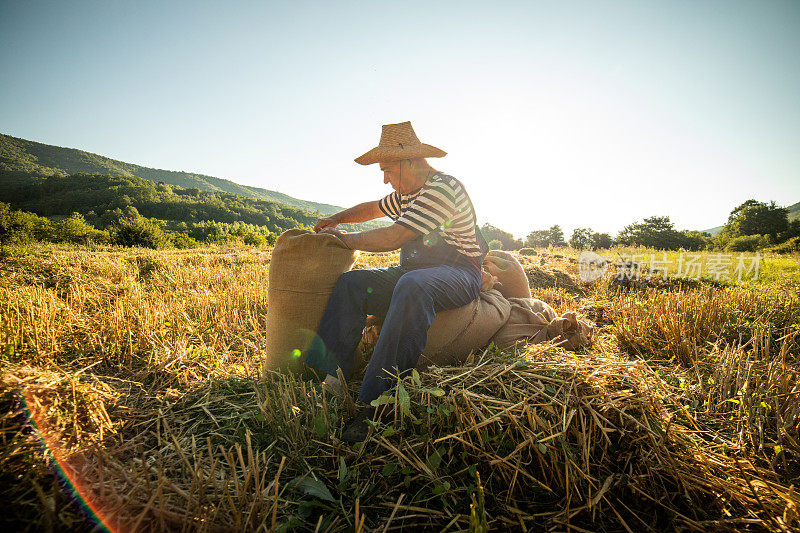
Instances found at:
x=54 y=456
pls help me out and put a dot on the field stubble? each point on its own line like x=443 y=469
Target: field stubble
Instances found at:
x=137 y=374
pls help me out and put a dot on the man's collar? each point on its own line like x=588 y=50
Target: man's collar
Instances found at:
x=427 y=181
x=430 y=178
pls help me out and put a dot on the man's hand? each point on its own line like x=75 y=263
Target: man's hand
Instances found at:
x=360 y=213
x=327 y=222
x=331 y=231
x=342 y=236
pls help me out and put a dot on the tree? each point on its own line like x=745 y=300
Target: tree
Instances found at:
x=507 y=240
x=758 y=218
x=653 y=232
x=11 y=224
x=74 y=229
x=254 y=239
x=601 y=240
x=138 y=232
x=546 y=237
x=696 y=240
x=581 y=238
x=537 y=238
x=556 y=236
x=793 y=230
x=747 y=243
x=183 y=241
x=494 y=244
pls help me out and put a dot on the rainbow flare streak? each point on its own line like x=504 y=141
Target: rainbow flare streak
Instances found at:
x=69 y=484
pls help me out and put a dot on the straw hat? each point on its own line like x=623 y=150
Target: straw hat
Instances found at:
x=398 y=142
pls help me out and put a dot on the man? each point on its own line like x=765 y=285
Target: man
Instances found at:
x=441 y=250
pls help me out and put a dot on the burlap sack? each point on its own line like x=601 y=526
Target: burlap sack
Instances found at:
x=511 y=279
x=569 y=332
x=533 y=321
x=302 y=273
x=457 y=332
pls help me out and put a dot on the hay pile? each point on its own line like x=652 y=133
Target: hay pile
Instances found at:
x=557 y=440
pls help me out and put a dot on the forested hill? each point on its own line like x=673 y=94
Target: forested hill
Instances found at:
x=794 y=211
x=103 y=201
x=21 y=160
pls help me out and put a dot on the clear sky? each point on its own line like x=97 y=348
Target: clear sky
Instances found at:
x=583 y=114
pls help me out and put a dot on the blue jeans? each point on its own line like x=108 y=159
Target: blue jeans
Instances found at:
x=409 y=301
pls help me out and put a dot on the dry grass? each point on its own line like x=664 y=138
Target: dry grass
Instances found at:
x=140 y=371
x=681 y=325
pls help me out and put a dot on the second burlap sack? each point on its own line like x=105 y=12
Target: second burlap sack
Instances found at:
x=511 y=279
x=302 y=273
x=457 y=332
x=533 y=321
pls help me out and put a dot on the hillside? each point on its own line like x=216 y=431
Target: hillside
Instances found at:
x=21 y=159
x=794 y=211
x=103 y=200
x=713 y=231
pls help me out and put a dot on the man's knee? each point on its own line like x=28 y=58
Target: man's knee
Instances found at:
x=360 y=283
x=413 y=283
x=350 y=280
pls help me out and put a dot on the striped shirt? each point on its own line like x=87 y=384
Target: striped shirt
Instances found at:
x=440 y=208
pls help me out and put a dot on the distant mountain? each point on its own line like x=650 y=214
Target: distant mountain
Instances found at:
x=713 y=231
x=20 y=158
x=105 y=199
x=794 y=213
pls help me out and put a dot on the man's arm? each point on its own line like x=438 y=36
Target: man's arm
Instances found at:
x=377 y=240
x=358 y=213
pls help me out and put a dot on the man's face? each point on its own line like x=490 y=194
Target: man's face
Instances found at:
x=392 y=174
